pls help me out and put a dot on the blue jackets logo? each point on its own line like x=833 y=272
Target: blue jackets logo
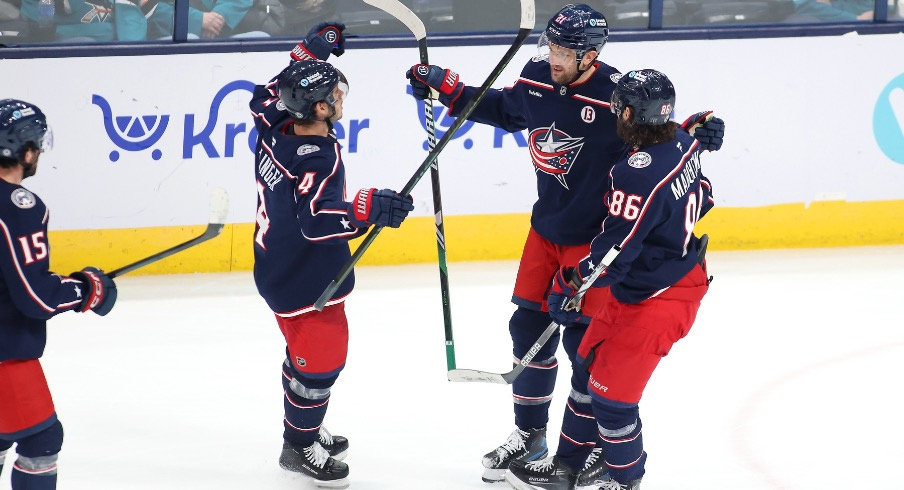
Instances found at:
x=217 y=138
x=554 y=152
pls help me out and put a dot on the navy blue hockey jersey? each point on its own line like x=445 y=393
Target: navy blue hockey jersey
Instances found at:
x=29 y=292
x=303 y=220
x=572 y=142
x=655 y=198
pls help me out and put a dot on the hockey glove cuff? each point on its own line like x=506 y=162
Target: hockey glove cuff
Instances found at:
x=99 y=294
x=323 y=39
x=382 y=208
x=426 y=77
x=560 y=294
x=706 y=128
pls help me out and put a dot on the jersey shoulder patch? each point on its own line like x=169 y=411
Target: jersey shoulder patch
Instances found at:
x=23 y=198
x=305 y=149
x=641 y=159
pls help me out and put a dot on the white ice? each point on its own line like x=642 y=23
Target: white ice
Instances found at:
x=788 y=380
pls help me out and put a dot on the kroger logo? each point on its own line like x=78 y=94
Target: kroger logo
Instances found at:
x=888 y=120
x=140 y=133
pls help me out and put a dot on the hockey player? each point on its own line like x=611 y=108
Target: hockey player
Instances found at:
x=304 y=223
x=562 y=99
x=29 y=295
x=657 y=194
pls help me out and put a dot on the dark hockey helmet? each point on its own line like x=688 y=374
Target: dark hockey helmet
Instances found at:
x=649 y=92
x=577 y=26
x=22 y=123
x=308 y=82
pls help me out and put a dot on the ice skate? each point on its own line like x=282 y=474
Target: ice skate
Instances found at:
x=595 y=471
x=315 y=462
x=545 y=474
x=605 y=482
x=337 y=446
x=528 y=445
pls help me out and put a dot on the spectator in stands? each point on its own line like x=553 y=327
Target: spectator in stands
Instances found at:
x=207 y=19
x=89 y=21
x=832 y=10
x=287 y=18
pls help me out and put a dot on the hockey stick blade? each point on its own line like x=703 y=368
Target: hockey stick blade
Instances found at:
x=527 y=25
x=219 y=208
x=475 y=376
x=403 y=14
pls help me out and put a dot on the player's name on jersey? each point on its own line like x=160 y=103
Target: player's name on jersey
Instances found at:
x=687 y=176
x=268 y=171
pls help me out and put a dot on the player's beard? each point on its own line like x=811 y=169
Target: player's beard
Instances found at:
x=568 y=74
x=29 y=170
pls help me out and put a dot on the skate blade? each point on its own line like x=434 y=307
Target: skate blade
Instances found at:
x=493 y=475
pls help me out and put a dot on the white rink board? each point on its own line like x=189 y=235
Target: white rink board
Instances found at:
x=800 y=126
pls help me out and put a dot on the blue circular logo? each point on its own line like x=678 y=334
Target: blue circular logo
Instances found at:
x=888 y=120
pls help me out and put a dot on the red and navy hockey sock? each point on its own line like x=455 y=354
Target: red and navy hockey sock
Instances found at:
x=305 y=403
x=532 y=390
x=619 y=428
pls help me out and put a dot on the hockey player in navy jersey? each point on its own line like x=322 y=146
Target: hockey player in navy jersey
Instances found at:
x=304 y=223
x=656 y=194
x=562 y=99
x=30 y=295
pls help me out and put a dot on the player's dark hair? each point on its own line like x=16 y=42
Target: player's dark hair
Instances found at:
x=6 y=162
x=641 y=135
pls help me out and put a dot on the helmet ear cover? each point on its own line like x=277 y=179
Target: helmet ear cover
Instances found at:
x=305 y=83
x=649 y=93
x=22 y=126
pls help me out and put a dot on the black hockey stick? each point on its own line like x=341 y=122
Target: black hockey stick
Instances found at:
x=474 y=375
x=414 y=24
x=527 y=24
x=219 y=207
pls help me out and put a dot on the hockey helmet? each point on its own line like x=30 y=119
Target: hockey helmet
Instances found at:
x=650 y=94
x=22 y=123
x=308 y=82
x=576 y=26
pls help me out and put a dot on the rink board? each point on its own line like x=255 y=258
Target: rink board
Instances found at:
x=814 y=152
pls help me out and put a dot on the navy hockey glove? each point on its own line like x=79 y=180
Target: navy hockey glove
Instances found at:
x=99 y=294
x=382 y=208
x=323 y=39
x=707 y=129
x=563 y=289
x=426 y=77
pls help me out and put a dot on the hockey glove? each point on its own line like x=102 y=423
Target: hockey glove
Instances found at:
x=707 y=129
x=563 y=289
x=99 y=293
x=382 y=208
x=323 y=39
x=426 y=77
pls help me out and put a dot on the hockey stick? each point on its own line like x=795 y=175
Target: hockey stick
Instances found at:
x=474 y=375
x=219 y=207
x=414 y=24
x=527 y=24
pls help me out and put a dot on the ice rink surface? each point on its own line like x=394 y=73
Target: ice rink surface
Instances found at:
x=788 y=380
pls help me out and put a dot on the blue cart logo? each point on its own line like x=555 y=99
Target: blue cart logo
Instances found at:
x=888 y=120
x=131 y=133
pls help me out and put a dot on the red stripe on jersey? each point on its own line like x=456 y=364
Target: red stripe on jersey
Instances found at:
x=535 y=83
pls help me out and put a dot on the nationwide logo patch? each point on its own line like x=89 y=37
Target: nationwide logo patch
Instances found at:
x=23 y=198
